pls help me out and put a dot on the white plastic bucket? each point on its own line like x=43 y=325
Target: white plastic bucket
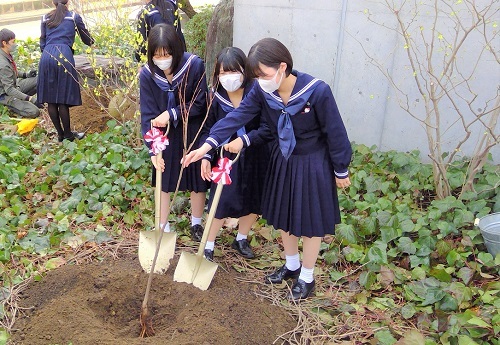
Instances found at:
x=490 y=229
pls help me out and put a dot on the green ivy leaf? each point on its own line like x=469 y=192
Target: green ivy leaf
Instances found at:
x=477 y=321
x=448 y=303
x=346 y=234
x=385 y=337
x=406 y=245
x=408 y=310
x=466 y=274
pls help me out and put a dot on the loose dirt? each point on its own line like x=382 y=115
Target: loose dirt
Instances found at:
x=100 y=303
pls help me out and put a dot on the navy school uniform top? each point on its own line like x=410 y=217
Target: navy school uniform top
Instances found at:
x=157 y=94
x=244 y=195
x=66 y=31
x=150 y=16
x=57 y=76
x=300 y=194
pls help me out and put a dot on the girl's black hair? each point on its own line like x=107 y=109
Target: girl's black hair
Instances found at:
x=269 y=52
x=5 y=36
x=55 y=17
x=232 y=59
x=164 y=37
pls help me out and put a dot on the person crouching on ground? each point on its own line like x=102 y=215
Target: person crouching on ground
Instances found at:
x=17 y=90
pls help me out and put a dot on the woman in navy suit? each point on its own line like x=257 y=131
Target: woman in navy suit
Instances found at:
x=57 y=78
x=173 y=89
x=310 y=155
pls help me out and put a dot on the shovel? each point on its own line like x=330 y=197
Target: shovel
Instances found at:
x=195 y=269
x=157 y=243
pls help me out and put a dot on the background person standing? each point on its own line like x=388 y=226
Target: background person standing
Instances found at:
x=58 y=80
x=157 y=12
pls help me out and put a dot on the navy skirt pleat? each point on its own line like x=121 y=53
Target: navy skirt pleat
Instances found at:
x=300 y=194
x=244 y=195
x=191 y=176
x=57 y=77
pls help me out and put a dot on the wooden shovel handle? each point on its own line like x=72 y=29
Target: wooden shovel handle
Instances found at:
x=158 y=186
x=213 y=208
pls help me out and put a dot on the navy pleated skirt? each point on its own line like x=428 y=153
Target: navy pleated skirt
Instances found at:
x=57 y=77
x=191 y=176
x=300 y=194
x=244 y=195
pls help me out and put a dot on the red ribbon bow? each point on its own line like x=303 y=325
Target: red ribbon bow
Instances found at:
x=158 y=141
x=222 y=171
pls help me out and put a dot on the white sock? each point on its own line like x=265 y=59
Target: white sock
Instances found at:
x=306 y=274
x=292 y=262
x=240 y=237
x=210 y=245
x=167 y=227
x=195 y=221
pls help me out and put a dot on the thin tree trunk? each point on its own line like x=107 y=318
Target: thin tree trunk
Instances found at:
x=186 y=7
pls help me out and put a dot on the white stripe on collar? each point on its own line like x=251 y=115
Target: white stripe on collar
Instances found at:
x=183 y=69
x=71 y=17
x=299 y=93
x=223 y=100
x=177 y=75
x=156 y=75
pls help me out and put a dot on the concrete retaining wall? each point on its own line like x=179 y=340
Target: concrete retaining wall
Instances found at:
x=334 y=40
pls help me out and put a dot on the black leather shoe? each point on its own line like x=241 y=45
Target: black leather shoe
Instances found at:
x=209 y=254
x=301 y=290
x=196 y=232
x=243 y=248
x=74 y=135
x=282 y=273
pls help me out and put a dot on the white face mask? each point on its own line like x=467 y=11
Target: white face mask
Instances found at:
x=163 y=64
x=270 y=85
x=231 y=82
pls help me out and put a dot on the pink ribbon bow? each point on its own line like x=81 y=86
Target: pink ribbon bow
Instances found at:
x=158 y=141
x=222 y=171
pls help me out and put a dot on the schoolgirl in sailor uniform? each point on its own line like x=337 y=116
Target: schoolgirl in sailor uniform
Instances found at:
x=157 y=12
x=57 y=78
x=172 y=85
x=242 y=198
x=310 y=155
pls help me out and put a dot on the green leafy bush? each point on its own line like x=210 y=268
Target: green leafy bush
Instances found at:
x=195 y=31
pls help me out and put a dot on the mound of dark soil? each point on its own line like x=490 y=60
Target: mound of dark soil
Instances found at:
x=100 y=303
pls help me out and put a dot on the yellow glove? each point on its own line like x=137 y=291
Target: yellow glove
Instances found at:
x=26 y=126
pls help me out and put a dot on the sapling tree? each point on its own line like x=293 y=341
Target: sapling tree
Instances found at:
x=448 y=45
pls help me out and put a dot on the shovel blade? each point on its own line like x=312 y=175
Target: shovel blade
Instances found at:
x=148 y=240
x=196 y=270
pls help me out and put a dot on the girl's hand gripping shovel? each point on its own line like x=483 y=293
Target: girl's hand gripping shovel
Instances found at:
x=156 y=248
x=195 y=269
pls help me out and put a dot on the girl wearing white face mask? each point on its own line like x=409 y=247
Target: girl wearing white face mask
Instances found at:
x=242 y=198
x=310 y=155
x=171 y=84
